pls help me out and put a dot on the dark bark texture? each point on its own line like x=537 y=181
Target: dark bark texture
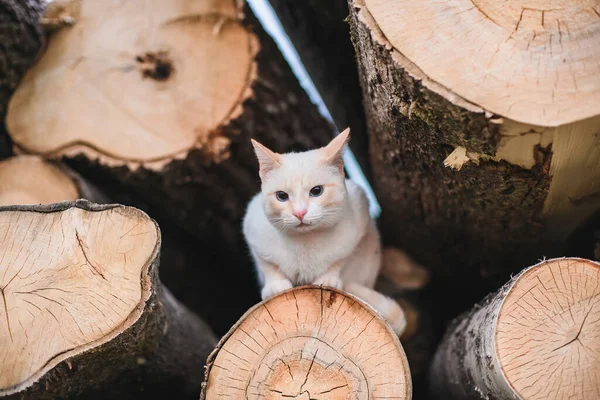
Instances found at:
x=21 y=39
x=585 y=241
x=208 y=199
x=320 y=33
x=160 y=356
x=473 y=227
x=419 y=340
x=449 y=378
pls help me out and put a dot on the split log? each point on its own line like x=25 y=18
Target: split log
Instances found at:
x=321 y=35
x=536 y=338
x=21 y=38
x=162 y=118
x=84 y=313
x=486 y=159
x=309 y=342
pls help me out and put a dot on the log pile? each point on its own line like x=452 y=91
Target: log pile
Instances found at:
x=164 y=119
x=478 y=125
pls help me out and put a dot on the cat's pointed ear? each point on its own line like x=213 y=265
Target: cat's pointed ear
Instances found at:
x=334 y=151
x=267 y=159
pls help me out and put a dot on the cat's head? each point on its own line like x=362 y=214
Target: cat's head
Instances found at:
x=303 y=191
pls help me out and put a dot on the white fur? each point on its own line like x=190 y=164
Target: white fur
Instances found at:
x=337 y=243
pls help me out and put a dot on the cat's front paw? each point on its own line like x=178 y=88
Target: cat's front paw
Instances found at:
x=273 y=287
x=330 y=280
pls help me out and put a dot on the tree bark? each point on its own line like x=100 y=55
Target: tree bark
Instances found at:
x=472 y=194
x=309 y=342
x=89 y=318
x=408 y=283
x=321 y=35
x=533 y=339
x=22 y=38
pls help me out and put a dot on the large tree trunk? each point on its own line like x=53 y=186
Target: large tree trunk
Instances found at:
x=536 y=338
x=309 y=343
x=320 y=33
x=482 y=162
x=21 y=38
x=85 y=315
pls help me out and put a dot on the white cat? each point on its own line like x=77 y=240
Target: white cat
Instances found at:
x=310 y=225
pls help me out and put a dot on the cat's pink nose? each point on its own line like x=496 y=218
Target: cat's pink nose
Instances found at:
x=299 y=214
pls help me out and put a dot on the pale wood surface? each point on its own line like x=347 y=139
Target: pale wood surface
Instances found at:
x=309 y=343
x=536 y=338
x=548 y=332
x=69 y=281
x=533 y=61
x=31 y=180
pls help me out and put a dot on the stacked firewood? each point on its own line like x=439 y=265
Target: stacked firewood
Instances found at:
x=126 y=167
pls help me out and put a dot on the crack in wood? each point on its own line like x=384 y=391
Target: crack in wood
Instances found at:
x=6 y=311
x=578 y=333
x=95 y=269
x=309 y=369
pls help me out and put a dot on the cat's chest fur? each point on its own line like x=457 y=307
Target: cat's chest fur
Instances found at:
x=303 y=258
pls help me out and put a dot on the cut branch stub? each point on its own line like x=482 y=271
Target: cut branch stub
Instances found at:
x=164 y=85
x=309 y=342
x=75 y=276
x=536 y=338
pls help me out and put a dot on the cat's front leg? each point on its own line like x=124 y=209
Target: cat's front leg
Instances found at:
x=331 y=277
x=274 y=280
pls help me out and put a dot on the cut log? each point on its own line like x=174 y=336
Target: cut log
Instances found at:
x=29 y=179
x=165 y=113
x=486 y=160
x=84 y=314
x=536 y=338
x=309 y=343
x=321 y=35
x=21 y=38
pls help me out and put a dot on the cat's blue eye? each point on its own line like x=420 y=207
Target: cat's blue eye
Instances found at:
x=282 y=196
x=316 y=191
